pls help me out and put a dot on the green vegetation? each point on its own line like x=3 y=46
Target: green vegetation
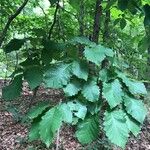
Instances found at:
x=97 y=52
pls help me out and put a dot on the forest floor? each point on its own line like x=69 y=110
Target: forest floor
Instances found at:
x=14 y=131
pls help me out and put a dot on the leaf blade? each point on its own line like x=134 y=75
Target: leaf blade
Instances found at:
x=91 y=91
x=13 y=90
x=116 y=128
x=88 y=130
x=50 y=123
x=113 y=93
x=135 y=108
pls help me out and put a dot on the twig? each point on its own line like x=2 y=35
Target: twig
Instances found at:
x=34 y=96
x=54 y=21
x=57 y=140
x=76 y=17
x=58 y=134
x=60 y=25
x=5 y=80
x=10 y=19
x=45 y=16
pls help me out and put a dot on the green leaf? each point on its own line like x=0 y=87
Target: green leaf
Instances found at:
x=110 y=4
x=133 y=6
x=113 y=93
x=78 y=109
x=133 y=125
x=67 y=115
x=46 y=56
x=75 y=4
x=34 y=132
x=14 y=45
x=116 y=128
x=82 y=40
x=53 y=1
x=13 y=90
x=117 y=21
x=146 y=9
x=80 y=69
x=72 y=52
x=34 y=76
x=29 y=62
x=143 y=44
x=50 y=123
x=109 y=52
x=123 y=23
x=52 y=50
x=147 y=21
x=97 y=54
x=135 y=108
x=91 y=91
x=39 y=32
x=72 y=88
x=37 y=110
x=135 y=87
x=122 y=4
x=106 y=75
x=88 y=130
x=57 y=75
x=103 y=75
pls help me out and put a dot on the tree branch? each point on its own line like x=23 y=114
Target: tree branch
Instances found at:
x=54 y=21
x=96 y=27
x=106 y=34
x=10 y=19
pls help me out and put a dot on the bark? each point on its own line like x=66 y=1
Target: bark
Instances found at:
x=96 y=27
x=10 y=19
x=106 y=33
x=33 y=97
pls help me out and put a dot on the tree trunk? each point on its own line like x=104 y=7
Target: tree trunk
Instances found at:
x=106 y=34
x=96 y=27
